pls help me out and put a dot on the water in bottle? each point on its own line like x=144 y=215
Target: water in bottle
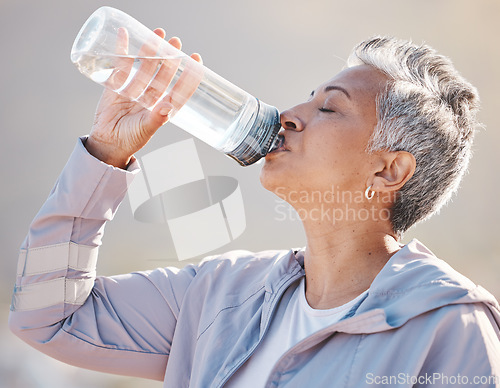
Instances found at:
x=121 y=54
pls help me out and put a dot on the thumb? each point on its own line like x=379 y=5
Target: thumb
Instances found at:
x=160 y=114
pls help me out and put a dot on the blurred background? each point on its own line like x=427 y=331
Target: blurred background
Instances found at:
x=278 y=50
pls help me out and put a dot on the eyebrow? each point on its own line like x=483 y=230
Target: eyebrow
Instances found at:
x=333 y=87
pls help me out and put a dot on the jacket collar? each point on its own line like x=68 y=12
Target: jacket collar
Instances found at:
x=413 y=282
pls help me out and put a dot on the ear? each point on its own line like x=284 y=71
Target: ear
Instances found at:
x=396 y=169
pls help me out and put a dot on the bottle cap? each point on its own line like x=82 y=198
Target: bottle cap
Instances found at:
x=260 y=137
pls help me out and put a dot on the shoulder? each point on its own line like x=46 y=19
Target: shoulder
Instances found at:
x=253 y=264
x=465 y=320
x=226 y=273
x=416 y=266
x=235 y=279
x=243 y=257
x=415 y=282
x=246 y=271
x=465 y=339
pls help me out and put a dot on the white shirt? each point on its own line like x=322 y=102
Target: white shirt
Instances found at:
x=294 y=321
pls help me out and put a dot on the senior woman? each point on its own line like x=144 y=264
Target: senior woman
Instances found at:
x=392 y=135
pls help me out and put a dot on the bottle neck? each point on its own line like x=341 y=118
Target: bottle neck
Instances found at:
x=261 y=137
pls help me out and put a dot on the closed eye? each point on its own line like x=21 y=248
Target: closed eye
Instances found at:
x=326 y=110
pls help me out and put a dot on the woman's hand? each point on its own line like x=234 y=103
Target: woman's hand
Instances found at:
x=121 y=126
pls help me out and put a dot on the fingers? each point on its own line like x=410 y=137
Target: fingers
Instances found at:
x=176 y=42
x=159 y=116
x=120 y=64
x=187 y=83
x=157 y=87
x=146 y=76
x=148 y=65
x=160 y=32
x=197 y=57
x=181 y=92
x=159 y=84
x=122 y=41
x=154 y=74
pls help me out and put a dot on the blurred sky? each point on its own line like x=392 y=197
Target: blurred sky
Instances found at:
x=278 y=50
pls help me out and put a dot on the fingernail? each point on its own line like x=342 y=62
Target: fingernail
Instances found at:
x=165 y=111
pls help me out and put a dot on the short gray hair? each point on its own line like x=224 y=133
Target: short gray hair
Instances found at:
x=427 y=109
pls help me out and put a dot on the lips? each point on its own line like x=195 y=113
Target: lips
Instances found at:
x=280 y=145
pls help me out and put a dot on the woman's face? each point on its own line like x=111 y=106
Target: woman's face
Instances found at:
x=326 y=136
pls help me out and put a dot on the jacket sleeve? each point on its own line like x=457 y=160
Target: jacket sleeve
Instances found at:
x=121 y=324
x=465 y=350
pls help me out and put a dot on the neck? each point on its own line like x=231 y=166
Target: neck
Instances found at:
x=342 y=259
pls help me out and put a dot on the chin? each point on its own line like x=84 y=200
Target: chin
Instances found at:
x=272 y=178
x=264 y=177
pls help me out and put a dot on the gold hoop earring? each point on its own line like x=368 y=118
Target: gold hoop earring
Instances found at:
x=369 y=193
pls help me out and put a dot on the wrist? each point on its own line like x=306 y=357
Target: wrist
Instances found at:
x=107 y=153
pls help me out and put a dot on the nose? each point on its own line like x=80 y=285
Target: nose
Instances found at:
x=290 y=120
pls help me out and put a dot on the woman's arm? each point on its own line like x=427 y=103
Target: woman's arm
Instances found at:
x=121 y=324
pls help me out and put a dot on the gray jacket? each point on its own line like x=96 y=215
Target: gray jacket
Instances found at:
x=421 y=324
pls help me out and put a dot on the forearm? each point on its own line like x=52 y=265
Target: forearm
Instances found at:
x=57 y=263
x=59 y=253
x=121 y=324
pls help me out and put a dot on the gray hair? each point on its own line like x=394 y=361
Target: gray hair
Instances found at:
x=427 y=109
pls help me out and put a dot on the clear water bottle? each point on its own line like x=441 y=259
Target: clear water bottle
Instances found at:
x=116 y=51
